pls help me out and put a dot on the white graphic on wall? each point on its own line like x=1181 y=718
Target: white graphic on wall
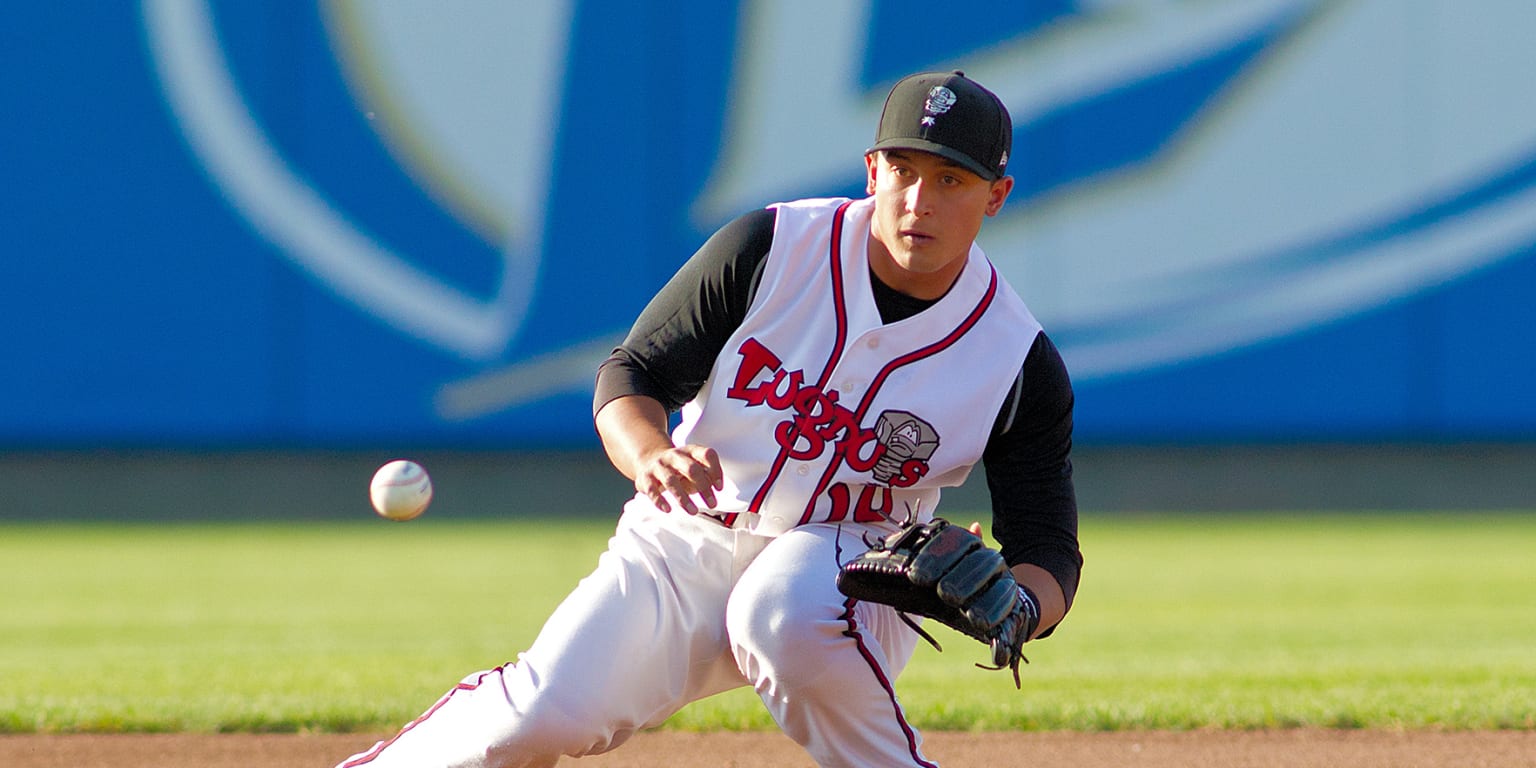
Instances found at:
x=1324 y=181
x=451 y=127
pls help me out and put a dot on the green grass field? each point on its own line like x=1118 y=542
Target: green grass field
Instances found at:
x=1353 y=621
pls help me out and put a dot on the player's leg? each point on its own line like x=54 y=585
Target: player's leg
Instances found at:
x=629 y=646
x=824 y=668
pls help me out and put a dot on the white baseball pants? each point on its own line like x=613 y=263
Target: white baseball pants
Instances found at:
x=680 y=608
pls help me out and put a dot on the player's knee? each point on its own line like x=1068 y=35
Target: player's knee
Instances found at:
x=782 y=640
x=548 y=732
x=532 y=724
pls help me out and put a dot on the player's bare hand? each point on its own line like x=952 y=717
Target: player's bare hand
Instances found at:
x=679 y=474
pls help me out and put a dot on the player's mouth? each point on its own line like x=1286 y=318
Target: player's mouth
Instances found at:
x=915 y=236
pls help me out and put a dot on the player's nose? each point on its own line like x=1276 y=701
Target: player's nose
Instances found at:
x=919 y=198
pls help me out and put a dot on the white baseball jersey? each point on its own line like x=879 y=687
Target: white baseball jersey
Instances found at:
x=822 y=413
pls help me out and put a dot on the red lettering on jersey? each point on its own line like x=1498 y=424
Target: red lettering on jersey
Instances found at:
x=867 y=511
x=789 y=435
x=755 y=360
x=838 y=495
x=874 y=505
x=912 y=471
x=855 y=444
x=816 y=420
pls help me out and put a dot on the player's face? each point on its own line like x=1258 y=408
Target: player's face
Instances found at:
x=927 y=212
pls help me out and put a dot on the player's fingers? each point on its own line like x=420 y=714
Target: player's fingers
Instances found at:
x=704 y=473
x=681 y=488
x=652 y=488
x=666 y=486
x=690 y=479
x=659 y=498
x=658 y=480
x=676 y=475
x=705 y=484
x=716 y=472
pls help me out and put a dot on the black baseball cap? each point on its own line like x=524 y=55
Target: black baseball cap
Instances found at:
x=951 y=115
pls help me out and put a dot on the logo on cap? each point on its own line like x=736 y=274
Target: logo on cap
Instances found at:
x=940 y=99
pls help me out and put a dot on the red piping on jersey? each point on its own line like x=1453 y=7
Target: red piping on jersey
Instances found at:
x=373 y=754
x=857 y=636
x=949 y=340
x=840 y=311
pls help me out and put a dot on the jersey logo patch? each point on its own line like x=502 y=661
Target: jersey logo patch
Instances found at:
x=908 y=442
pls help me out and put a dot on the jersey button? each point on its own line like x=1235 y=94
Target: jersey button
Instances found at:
x=803 y=469
x=873 y=343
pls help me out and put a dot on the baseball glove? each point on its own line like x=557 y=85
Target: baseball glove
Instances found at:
x=946 y=573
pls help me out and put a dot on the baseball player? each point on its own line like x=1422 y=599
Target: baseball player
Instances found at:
x=837 y=363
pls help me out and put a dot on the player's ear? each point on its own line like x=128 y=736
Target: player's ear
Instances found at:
x=871 y=162
x=999 y=194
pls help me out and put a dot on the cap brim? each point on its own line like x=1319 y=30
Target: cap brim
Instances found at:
x=922 y=145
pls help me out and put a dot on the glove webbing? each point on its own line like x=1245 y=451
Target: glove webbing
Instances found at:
x=1030 y=607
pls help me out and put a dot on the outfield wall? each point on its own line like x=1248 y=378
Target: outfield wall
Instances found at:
x=253 y=486
x=406 y=227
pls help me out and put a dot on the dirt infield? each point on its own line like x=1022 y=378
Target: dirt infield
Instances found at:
x=1226 y=749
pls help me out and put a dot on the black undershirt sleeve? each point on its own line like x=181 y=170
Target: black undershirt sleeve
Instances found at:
x=1029 y=470
x=672 y=346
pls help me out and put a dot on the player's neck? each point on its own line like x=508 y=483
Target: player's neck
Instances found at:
x=893 y=305
x=928 y=286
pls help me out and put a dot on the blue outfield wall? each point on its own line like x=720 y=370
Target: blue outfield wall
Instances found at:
x=409 y=226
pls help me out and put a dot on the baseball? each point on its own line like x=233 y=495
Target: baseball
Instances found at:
x=401 y=490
